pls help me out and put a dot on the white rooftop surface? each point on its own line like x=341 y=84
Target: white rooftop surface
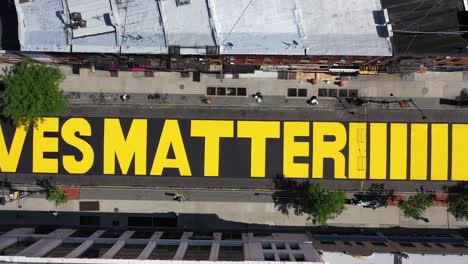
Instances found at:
x=323 y=27
x=141 y=29
x=187 y=25
x=341 y=27
x=93 y=11
x=257 y=27
x=388 y=258
x=264 y=27
x=36 y=260
x=342 y=258
x=97 y=43
x=435 y=259
x=39 y=26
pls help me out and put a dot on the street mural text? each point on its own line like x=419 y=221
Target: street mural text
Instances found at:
x=237 y=149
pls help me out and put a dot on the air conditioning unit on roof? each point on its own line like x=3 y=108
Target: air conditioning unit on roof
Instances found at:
x=182 y=2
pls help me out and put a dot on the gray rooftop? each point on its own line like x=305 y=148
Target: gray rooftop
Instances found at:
x=268 y=27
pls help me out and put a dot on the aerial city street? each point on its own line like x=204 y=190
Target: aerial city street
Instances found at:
x=240 y=131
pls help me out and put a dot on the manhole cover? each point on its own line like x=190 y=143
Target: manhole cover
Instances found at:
x=181 y=86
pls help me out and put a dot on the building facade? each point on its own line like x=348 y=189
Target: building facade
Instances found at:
x=115 y=238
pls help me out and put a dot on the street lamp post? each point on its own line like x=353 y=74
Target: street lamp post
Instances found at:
x=423 y=116
x=344 y=106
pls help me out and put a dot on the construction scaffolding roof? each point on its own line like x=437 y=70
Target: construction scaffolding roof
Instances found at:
x=263 y=27
x=413 y=17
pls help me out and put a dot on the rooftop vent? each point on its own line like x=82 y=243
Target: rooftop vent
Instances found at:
x=182 y=2
x=76 y=16
x=91 y=17
x=77 y=20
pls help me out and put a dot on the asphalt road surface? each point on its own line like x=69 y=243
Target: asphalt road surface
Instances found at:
x=281 y=113
x=208 y=112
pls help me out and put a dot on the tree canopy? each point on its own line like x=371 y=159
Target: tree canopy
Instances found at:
x=32 y=91
x=57 y=195
x=416 y=205
x=458 y=206
x=320 y=205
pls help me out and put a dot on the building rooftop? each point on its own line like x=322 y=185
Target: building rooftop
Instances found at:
x=428 y=16
x=343 y=27
x=389 y=258
x=187 y=25
x=264 y=27
x=142 y=30
x=96 y=13
x=258 y=27
x=40 y=26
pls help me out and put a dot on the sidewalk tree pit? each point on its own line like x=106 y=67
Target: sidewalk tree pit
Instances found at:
x=234 y=148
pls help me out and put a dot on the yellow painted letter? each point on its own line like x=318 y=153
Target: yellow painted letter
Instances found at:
x=439 y=152
x=398 y=151
x=212 y=131
x=69 y=130
x=171 y=136
x=9 y=159
x=378 y=151
x=295 y=149
x=357 y=152
x=258 y=132
x=42 y=144
x=459 y=156
x=328 y=149
x=116 y=145
x=418 y=164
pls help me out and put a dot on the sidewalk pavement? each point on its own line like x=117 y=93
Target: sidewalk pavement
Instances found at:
x=244 y=206
x=100 y=88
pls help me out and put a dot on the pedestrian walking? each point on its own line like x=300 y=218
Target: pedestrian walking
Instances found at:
x=258 y=97
x=125 y=97
x=178 y=197
x=207 y=101
x=313 y=100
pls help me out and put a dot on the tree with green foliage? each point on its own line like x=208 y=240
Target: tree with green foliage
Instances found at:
x=56 y=195
x=416 y=205
x=319 y=204
x=458 y=206
x=322 y=205
x=31 y=92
